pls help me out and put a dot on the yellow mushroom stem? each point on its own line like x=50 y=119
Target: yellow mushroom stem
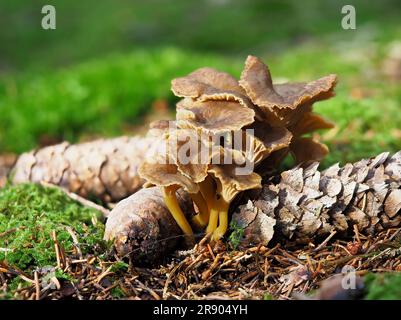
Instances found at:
x=170 y=198
x=218 y=216
x=203 y=216
x=223 y=207
x=213 y=219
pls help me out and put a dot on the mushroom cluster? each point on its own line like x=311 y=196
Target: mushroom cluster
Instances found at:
x=224 y=129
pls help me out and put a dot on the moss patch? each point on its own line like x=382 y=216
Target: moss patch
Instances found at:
x=30 y=213
x=383 y=286
x=236 y=234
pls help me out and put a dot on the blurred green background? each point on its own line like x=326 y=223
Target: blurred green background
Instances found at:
x=108 y=61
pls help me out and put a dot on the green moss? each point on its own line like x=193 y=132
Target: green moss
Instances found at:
x=236 y=234
x=117 y=293
x=267 y=296
x=30 y=213
x=100 y=97
x=383 y=286
x=119 y=266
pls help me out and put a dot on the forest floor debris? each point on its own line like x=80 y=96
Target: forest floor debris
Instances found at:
x=207 y=272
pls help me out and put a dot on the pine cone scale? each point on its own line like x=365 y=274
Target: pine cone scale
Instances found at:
x=312 y=204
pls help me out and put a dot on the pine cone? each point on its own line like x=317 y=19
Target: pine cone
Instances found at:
x=105 y=168
x=305 y=203
x=142 y=227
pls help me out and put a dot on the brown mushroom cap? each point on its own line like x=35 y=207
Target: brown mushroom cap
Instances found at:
x=207 y=84
x=310 y=122
x=205 y=81
x=213 y=116
x=307 y=149
x=287 y=117
x=191 y=151
x=257 y=82
x=229 y=184
x=165 y=175
x=227 y=156
x=268 y=139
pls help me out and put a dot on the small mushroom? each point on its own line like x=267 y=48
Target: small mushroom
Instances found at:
x=188 y=154
x=170 y=179
x=278 y=101
x=214 y=106
x=228 y=184
x=192 y=154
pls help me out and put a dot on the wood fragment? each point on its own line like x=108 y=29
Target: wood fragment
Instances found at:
x=37 y=285
x=85 y=202
x=59 y=252
x=331 y=235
